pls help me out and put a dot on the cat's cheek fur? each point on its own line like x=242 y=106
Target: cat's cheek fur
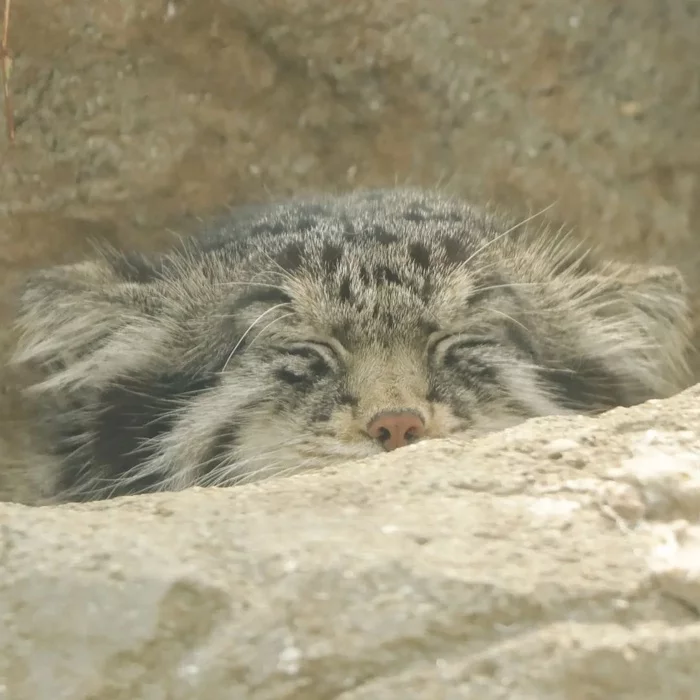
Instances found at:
x=285 y=446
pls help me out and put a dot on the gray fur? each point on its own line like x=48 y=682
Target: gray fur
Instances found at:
x=263 y=347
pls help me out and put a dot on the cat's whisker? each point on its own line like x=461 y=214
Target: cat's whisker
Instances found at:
x=506 y=233
x=509 y=318
x=278 y=269
x=228 y=469
x=262 y=331
x=273 y=470
x=240 y=472
x=250 y=327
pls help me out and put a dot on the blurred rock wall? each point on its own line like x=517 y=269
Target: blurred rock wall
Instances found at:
x=136 y=118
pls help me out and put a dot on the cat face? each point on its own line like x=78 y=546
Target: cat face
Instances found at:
x=312 y=333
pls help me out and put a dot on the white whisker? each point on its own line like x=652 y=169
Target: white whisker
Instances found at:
x=506 y=233
x=250 y=327
x=510 y=318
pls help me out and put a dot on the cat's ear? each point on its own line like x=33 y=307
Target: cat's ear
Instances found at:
x=78 y=322
x=656 y=297
x=643 y=320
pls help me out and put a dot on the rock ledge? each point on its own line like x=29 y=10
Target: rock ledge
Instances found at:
x=559 y=559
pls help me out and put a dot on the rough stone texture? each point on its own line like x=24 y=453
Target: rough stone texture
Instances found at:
x=525 y=566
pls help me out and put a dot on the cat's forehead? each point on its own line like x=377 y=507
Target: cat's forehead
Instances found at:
x=375 y=247
x=382 y=282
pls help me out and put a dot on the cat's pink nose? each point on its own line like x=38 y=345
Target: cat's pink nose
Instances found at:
x=394 y=429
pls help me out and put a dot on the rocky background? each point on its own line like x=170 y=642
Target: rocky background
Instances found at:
x=136 y=119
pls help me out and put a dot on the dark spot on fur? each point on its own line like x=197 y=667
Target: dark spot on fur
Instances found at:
x=385 y=275
x=322 y=412
x=365 y=277
x=420 y=255
x=261 y=295
x=414 y=215
x=345 y=292
x=434 y=395
x=305 y=224
x=341 y=332
x=347 y=399
x=314 y=210
x=331 y=256
x=132 y=414
x=267 y=227
x=456 y=249
x=429 y=327
x=381 y=235
x=292 y=256
x=448 y=216
x=220 y=451
x=590 y=387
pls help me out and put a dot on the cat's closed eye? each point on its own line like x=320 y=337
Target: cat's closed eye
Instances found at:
x=469 y=357
x=454 y=345
x=305 y=362
x=466 y=343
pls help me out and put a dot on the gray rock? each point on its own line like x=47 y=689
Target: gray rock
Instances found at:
x=442 y=570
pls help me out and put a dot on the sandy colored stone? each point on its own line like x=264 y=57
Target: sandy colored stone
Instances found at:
x=442 y=570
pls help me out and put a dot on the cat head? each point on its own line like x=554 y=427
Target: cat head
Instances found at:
x=311 y=333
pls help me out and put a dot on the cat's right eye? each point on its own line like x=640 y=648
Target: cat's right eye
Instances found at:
x=311 y=358
x=302 y=350
x=303 y=364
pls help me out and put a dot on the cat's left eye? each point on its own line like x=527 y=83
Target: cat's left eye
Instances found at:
x=448 y=343
x=472 y=343
x=312 y=349
x=302 y=350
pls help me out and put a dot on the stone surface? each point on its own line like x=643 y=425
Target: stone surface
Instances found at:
x=493 y=570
